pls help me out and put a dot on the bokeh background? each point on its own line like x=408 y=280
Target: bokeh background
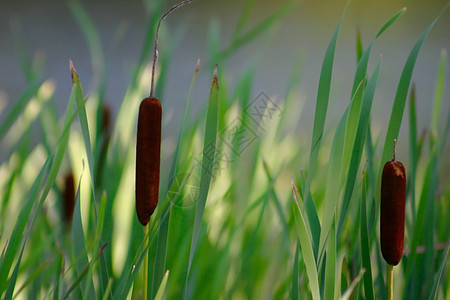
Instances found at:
x=47 y=30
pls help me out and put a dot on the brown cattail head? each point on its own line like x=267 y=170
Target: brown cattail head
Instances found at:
x=106 y=119
x=392 y=223
x=69 y=198
x=105 y=135
x=148 y=149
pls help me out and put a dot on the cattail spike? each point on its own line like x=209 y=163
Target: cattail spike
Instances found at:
x=69 y=198
x=392 y=217
x=148 y=147
x=106 y=118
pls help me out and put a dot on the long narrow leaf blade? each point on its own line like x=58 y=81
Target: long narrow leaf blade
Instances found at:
x=307 y=251
x=348 y=293
x=81 y=108
x=13 y=279
x=323 y=96
x=398 y=107
x=434 y=290
x=209 y=149
x=359 y=144
x=162 y=288
x=294 y=290
x=365 y=246
x=330 y=267
x=79 y=245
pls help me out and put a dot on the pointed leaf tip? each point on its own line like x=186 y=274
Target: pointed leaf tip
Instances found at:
x=73 y=72
x=197 y=66
x=71 y=65
x=216 y=76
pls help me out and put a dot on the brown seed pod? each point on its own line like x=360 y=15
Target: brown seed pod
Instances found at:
x=106 y=119
x=105 y=136
x=392 y=223
x=69 y=198
x=148 y=149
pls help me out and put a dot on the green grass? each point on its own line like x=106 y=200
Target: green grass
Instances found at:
x=236 y=219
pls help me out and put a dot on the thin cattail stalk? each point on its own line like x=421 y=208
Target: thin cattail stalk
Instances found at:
x=390 y=281
x=146 y=263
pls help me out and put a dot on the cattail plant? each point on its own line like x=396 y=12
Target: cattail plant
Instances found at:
x=148 y=147
x=105 y=134
x=149 y=144
x=68 y=199
x=392 y=224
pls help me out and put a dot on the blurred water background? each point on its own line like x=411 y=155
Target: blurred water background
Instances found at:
x=48 y=29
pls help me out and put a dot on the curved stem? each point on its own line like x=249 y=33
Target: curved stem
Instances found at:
x=155 y=50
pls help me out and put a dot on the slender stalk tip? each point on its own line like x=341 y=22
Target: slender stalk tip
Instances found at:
x=155 y=50
x=395 y=150
x=404 y=8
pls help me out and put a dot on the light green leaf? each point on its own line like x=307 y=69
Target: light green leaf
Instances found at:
x=323 y=96
x=209 y=152
x=399 y=106
x=294 y=290
x=162 y=287
x=330 y=267
x=307 y=250
x=365 y=246
x=348 y=293
x=434 y=291
x=358 y=146
x=79 y=249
